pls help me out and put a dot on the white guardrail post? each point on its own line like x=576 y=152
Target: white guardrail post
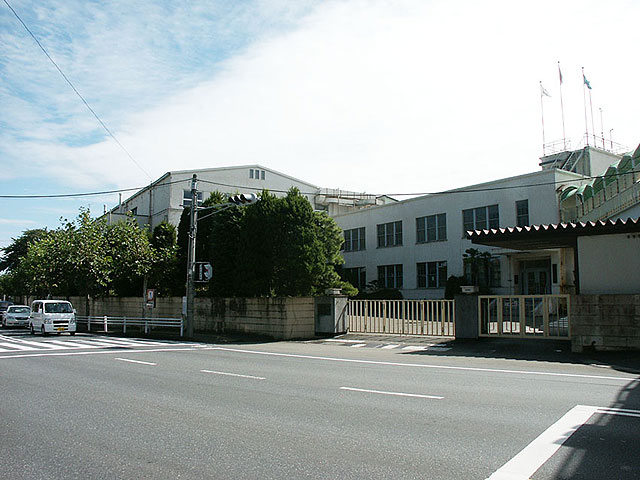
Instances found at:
x=105 y=325
x=124 y=325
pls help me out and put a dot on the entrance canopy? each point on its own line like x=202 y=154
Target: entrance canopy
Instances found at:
x=557 y=235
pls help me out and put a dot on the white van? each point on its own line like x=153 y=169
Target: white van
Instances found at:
x=52 y=316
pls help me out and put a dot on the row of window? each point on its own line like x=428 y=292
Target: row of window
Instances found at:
x=429 y=275
x=433 y=228
x=256 y=174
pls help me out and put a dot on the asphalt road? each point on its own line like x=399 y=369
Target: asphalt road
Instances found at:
x=307 y=410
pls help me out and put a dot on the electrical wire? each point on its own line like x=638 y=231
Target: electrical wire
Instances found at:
x=106 y=129
x=345 y=195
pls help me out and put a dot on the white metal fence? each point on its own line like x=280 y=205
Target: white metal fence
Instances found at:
x=104 y=323
x=405 y=317
x=528 y=316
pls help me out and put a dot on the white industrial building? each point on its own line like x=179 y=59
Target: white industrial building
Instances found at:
x=165 y=198
x=416 y=244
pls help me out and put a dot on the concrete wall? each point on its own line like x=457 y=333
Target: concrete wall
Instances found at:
x=605 y=322
x=278 y=318
x=609 y=264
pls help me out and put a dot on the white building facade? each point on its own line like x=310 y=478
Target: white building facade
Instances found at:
x=165 y=198
x=416 y=244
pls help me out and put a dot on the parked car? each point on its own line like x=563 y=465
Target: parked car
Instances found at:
x=4 y=304
x=16 y=316
x=52 y=316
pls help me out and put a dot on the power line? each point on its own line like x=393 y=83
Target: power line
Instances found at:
x=417 y=194
x=106 y=129
x=354 y=195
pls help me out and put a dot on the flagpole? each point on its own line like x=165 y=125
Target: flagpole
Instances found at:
x=593 y=125
x=564 y=136
x=542 y=111
x=584 y=101
x=602 y=129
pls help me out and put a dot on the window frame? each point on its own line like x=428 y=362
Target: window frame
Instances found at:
x=439 y=229
x=393 y=272
x=520 y=217
x=481 y=218
x=354 y=243
x=389 y=234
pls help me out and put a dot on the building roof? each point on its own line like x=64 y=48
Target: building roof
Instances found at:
x=556 y=235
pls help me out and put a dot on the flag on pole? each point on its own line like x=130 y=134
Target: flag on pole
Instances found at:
x=544 y=91
x=586 y=82
x=560 y=73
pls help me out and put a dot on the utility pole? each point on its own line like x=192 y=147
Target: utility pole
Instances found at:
x=191 y=255
x=234 y=201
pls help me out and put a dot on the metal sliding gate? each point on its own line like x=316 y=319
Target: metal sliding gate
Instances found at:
x=404 y=317
x=525 y=316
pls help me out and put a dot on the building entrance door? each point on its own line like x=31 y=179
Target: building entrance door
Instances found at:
x=535 y=277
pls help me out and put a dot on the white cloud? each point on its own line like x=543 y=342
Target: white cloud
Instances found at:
x=374 y=95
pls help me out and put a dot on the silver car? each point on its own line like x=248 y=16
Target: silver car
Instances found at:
x=16 y=316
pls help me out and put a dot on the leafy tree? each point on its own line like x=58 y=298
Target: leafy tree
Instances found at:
x=275 y=247
x=17 y=249
x=477 y=265
x=165 y=274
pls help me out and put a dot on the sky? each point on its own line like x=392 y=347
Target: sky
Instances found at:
x=391 y=97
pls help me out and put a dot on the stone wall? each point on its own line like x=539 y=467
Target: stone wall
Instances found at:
x=605 y=322
x=278 y=318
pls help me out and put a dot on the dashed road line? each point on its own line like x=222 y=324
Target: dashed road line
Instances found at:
x=135 y=361
x=233 y=374
x=397 y=394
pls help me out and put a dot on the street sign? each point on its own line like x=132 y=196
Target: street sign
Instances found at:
x=150 y=298
x=204 y=272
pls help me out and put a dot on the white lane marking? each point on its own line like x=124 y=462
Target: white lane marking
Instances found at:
x=36 y=344
x=389 y=347
x=16 y=346
x=534 y=455
x=135 y=361
x=399 y=394
x=413 y=348
x=97 y=352
x=422 y=365
x=341 y=341
x=625 y=412
x=69 y=344
x=358 y=345
x=233 y=374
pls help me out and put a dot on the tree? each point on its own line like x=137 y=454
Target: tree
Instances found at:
x=477 y=266
x=275 y=247
x=166 y=273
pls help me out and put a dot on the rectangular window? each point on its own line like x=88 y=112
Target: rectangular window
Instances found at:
x=262 y=175
x=432 y=274
x=354 y=239
x=251 y=173
x=522 y=213
x=481 y=218
x=390 y=276
x=186 y=198
x=432 y=228
x=356 y=276
x=390 y=234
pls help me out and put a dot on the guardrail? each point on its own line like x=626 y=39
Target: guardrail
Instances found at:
x=104 y=322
